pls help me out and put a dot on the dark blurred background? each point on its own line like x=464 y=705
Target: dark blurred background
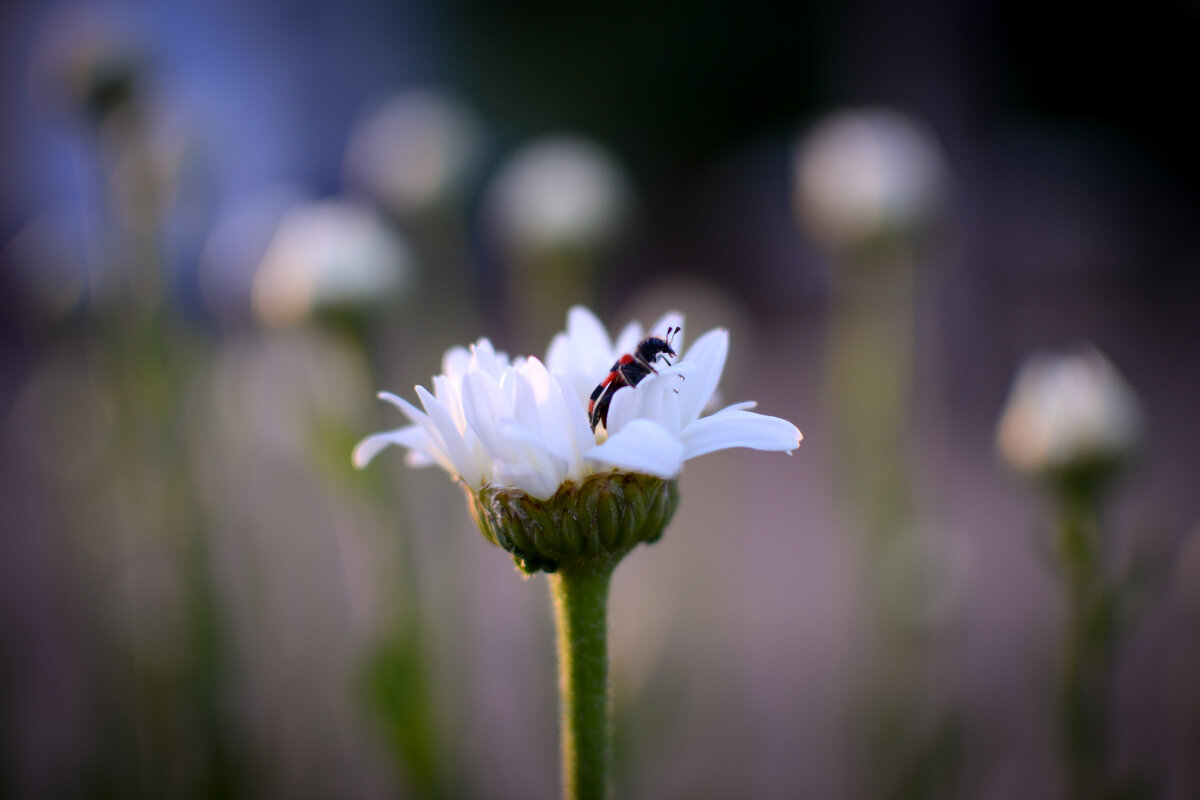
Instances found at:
x=225 y=226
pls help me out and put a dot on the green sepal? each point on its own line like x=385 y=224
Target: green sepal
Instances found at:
x=600 y=518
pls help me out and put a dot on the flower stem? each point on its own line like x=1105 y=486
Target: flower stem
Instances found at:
x=580 y=592
x=1087 y=649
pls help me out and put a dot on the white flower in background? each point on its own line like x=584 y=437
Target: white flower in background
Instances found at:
x=331 y=254
x=417 y=150
x=860 y=173
x=523 y=424
x=1068 y=411
x=559 y=191
x=87 y=59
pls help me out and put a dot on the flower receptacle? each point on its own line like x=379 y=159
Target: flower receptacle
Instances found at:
x=600 y=518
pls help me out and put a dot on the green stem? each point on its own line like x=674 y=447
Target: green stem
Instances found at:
x=1087 y=651
x=580 y=593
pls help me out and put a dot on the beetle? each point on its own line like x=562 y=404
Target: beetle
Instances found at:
x=629 y=370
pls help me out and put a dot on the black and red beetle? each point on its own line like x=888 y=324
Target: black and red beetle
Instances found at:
x=629 y=370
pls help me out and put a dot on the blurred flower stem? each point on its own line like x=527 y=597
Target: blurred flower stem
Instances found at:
x=163 y=727
x=152 y=370
x=869 y=186
x=1087 y=644
x=871 y=363
x=871 y=368
x=580 y=595
x=396 y=680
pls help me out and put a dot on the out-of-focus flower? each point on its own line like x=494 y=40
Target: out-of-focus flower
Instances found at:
x=416 y=151
x=560 y=192
x=1069 y=415
x=515 y=433
x=329 y=255
x=85 y=62
x=864 y=173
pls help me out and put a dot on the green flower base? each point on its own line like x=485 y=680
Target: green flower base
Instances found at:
x=599 y=519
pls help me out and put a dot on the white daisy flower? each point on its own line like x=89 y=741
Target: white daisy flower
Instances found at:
x=523 y=424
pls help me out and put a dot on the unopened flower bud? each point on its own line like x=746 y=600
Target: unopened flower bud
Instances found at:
x=1070 y=419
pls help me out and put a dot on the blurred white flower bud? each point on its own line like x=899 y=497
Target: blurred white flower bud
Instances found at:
x=416 y=151
x=559 y=192
x=862 y=173
x=1069 y=415
x=331 y=254
x=86 y=60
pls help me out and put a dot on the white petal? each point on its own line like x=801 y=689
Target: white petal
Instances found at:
x=449 y=394
x=736 y=427
x=528 y=479
x=579 y=430
x=581 y=386
x=525 y=399
x=550 y=422
x=436 y=449
x=584 y=349
x=451 y=439
x=580 y=346
x=587 y=331
x=411 y=436
x=416 y=458
x=410 y=411
x=558 y=354
x=656 y=397
x=456 y=362
x=641 y=446
x=370 y=447
x=627 y=341
x=535 y=451
x=485 y=358
x=625 y=406
x=742 y=406
x=707 y=357
x=518 y=451
x=484 y=405
x=663 y=393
